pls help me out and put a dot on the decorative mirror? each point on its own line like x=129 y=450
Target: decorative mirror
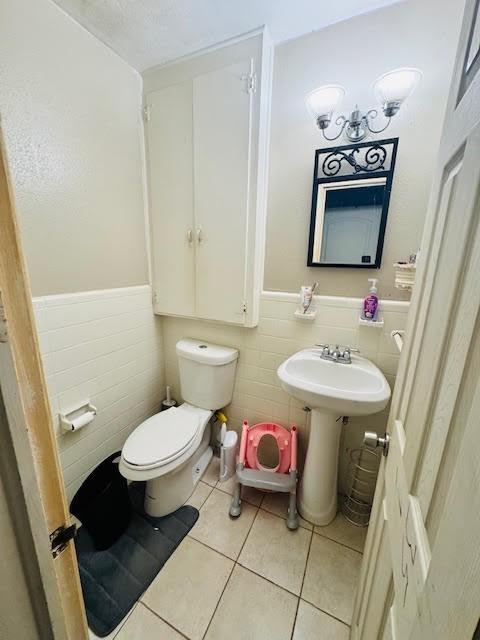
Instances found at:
x=351 y=193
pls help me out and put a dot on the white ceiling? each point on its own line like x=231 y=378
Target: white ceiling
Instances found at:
x=150 y=32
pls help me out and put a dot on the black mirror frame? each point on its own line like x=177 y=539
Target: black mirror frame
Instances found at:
x=375 y=154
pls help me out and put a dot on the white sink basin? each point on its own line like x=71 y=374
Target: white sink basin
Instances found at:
x=355 y=389
x=330 y=390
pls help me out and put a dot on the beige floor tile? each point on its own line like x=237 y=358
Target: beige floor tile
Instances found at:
x=312 y=623
x=277 y=503
x=331 y=577
x=212 y=472
x=200 y=494
x=187 y=589
x=216 y=529
x=249 y=494
x=276 y=553
x=252 y=608
x=344 y=532
x=145 y=625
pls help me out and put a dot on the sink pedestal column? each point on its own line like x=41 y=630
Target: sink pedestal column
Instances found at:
x=317 y=499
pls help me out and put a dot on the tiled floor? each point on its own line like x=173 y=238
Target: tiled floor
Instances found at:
x=251 y=578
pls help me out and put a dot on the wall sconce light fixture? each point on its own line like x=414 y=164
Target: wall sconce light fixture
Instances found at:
x=391 y=90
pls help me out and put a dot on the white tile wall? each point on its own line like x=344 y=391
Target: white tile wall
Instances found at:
x=258 y=395
x=107 y=347
x=104 y=347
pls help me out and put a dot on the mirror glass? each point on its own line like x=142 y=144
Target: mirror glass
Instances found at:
x=350 y=205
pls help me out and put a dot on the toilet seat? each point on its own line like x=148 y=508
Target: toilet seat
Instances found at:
x=161 y=439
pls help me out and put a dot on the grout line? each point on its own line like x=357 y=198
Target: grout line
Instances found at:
x=106 y=372
x=345 y=546
x=218 y=486
x=219 y=599
x=62 y=326
x=327 y=613
x=284 y=518
x=98 y=356
x=163 y=619
x=235 y=563
x=301 y=586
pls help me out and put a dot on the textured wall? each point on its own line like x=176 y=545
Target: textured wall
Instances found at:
x=70 y=111
x=258 y=396
x=104 y=347
x=354 y=53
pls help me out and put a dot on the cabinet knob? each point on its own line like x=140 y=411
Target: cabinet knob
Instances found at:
x=189 y=236
x=199 y=235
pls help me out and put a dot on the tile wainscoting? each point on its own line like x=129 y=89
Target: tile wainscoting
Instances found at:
x=107 y=347
x=258 y=395
x=104 y=347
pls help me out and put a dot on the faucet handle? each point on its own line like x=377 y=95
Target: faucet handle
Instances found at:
x=322 y=345
x=352 y=350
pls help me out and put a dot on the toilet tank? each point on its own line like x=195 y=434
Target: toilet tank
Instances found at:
x=207 y=373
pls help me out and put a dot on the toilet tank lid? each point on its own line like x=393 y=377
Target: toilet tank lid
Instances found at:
x=205 y=352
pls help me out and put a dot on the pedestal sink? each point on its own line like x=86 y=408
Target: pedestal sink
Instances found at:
x=331 y=390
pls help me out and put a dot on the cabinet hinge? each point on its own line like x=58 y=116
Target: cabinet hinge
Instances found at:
x=252 y=83
x=60 y=538
x=146 y=112
x=244 y=306
x=3 y=322
x=251 y=80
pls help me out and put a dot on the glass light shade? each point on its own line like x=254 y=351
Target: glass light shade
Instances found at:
x=397 y=85
x=324 y=100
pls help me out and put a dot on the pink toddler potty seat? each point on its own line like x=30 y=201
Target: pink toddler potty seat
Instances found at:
x=283 y=439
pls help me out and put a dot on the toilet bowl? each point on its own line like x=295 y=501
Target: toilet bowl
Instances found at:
x=171 y=450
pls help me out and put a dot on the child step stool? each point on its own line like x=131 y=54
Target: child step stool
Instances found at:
x=250 y=473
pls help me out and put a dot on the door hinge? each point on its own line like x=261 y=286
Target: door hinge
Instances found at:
x=244 y=306
x=3 y=322
x=60 y=538
x=146 y=112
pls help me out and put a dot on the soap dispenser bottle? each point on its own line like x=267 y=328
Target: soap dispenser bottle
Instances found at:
x=370 y=304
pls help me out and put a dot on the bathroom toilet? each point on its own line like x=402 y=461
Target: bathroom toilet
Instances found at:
x=171 y=450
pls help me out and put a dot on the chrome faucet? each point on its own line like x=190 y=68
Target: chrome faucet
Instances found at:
x=337 y=354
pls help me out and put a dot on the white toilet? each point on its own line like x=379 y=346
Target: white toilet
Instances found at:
x=171 y=449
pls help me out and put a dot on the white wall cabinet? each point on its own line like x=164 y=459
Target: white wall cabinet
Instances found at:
x=207 y=131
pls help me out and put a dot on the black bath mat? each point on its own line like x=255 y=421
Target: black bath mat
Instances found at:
x=113 y=580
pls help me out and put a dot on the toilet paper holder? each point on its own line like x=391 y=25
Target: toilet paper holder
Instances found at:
x=77 y=418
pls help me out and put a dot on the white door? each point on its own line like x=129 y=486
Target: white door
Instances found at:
x=420 y=575
x=222 y=116
x=169 y=148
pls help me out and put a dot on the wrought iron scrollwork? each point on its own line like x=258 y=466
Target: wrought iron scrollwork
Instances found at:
x=374 y=160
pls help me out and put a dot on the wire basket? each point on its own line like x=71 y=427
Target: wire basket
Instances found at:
x=362 y=478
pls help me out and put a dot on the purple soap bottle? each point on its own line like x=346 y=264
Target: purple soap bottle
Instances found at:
x=370 y=304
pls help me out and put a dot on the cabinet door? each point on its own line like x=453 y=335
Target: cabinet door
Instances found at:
x=169 y=152
x=222 y=106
